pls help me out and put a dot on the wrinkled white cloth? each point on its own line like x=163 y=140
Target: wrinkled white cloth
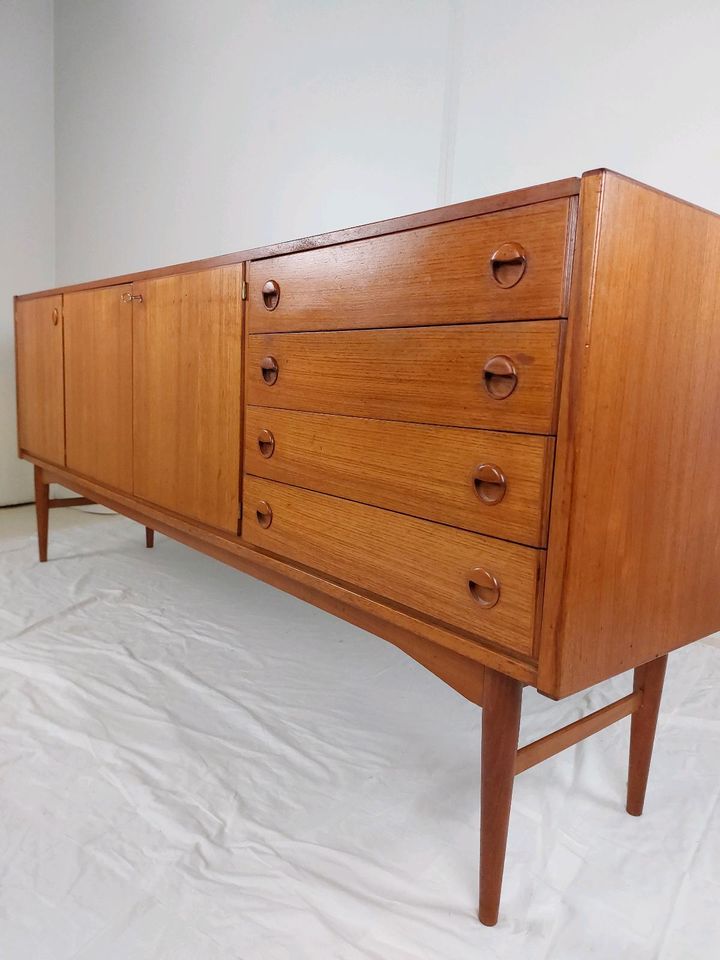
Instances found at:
x=195 y=766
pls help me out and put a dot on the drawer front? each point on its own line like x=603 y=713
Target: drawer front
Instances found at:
x=420 y=565
x=492 y=483
x=510 y=265
x=457 y=376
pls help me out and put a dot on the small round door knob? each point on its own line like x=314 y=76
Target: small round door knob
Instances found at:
x=271 y=294
x=508 y=264
x=266 y=443
x=269 y=369
x=55 y=316
x=484 y=588
x=264 y=514
x=500 y=377
x=489 y=483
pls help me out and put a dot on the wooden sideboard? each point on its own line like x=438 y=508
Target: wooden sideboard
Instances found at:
x=489 y=433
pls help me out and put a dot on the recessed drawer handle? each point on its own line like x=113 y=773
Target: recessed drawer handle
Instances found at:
x=271 y=294
x=489 y=483
x=269 y=369
x=266 y=443
x=500 y=377
x=263 y=513
x=484 y=588
x=508 y=264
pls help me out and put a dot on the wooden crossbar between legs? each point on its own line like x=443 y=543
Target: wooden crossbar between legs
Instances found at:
x=502 y=760
x=573 y=733
x=69 y=502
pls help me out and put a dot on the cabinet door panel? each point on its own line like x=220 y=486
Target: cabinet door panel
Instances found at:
x=187 y=342
x=40 y=392
x=98 y=385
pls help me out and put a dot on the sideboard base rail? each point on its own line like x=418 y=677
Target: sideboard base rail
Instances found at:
x=502 y=760
x=454 y=665
x=70 y=502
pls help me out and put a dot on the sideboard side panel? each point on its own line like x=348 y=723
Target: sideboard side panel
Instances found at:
x=634 y=550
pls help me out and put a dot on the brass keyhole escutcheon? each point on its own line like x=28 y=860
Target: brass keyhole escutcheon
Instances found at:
x=271 y=294
x=508 y=264
x=484 y=588
x=489 y=483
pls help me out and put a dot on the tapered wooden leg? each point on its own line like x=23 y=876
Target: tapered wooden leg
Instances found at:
x=149 y=537
x=649 y=679
x=42 y=508
x=502 y=699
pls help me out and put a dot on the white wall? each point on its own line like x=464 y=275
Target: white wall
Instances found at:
x=548 y=89
x=186 y=129
x=27 y=240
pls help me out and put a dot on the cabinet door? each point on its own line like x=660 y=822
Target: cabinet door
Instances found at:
x=98 y=384
x=39 y=353
x=187 y=342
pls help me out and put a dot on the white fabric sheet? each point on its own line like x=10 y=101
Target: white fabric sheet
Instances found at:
x=194 y=766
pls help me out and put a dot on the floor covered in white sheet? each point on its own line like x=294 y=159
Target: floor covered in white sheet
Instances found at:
x=194 y=766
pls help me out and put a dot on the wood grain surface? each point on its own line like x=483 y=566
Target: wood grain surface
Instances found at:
x=421 y=470
x=398 y=625
x=425 y=375
x=433 y=275
x=421 y=565
x=634 y=548
x=187 y=382
x=39 y=369
x=99 y=385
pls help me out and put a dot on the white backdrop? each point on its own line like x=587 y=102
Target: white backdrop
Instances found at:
x=187 y=129
x=196 y=766
x=27 y=204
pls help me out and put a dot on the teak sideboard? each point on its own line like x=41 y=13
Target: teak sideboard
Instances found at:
x=489 y=433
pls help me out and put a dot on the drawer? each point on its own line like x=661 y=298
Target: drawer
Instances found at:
x=492 y=483
x=438 y=571
x=499 y=376
x=511 y=265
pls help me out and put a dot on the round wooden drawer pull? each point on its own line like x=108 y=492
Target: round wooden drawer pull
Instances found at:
x=264 y=514
x=508 y=264
x=269 y=369
x=271 y=294
x=266 y=443
x=489 y=483
x=500 y=377
x=483 y=587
